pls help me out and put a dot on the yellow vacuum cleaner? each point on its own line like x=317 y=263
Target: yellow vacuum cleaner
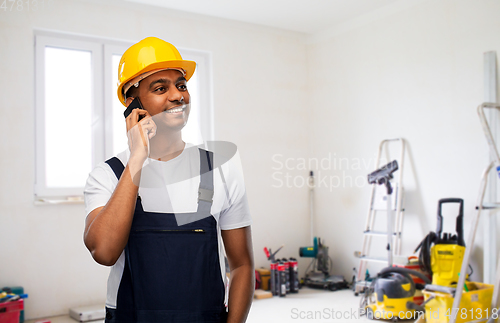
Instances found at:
x=390 y=296
x=442 y=255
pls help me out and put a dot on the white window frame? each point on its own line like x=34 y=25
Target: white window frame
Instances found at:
x=109 y=51
x=102 y=50
x=41 y=43
x=203 y=61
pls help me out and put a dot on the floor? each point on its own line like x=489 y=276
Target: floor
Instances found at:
x=309 y=305
x=59 y=319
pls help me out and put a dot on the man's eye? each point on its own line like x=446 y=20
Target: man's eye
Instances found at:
x=182 y=87
x=161 y=88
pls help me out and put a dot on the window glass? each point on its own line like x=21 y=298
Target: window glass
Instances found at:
x=68 y=98
x=191 y=132
x=119 y=128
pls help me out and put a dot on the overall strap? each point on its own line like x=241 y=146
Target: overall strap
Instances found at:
x=118 y=168
x=205 y=191
x=116 y=165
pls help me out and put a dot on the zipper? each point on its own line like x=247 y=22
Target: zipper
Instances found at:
x=173 y=231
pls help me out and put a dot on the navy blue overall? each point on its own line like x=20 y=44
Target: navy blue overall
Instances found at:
x=172 y=273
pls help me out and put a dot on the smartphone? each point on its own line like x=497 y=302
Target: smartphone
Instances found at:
x=134 y=105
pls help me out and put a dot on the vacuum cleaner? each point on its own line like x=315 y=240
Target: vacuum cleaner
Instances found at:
x=390 y=295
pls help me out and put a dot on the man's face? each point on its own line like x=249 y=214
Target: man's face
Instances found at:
x=165 y=96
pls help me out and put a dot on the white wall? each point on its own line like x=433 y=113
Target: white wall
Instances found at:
x=259 y=79
x=416 y=74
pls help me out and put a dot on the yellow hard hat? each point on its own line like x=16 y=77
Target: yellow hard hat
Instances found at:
x=149 y=55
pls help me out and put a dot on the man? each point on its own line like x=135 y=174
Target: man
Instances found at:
x=157 y=212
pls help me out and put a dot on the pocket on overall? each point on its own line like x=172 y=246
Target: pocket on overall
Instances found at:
x=175 y=269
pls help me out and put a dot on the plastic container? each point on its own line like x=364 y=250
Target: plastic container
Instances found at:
x=10 y=311
x=18 y=290
x=474 y=305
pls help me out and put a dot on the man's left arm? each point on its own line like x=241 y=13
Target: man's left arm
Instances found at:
x=239 y=251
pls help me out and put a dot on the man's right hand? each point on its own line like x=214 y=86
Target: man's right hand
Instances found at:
x=139 y=133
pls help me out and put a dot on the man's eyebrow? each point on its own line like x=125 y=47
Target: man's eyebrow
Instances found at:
x=162 y=81
x=165 y=81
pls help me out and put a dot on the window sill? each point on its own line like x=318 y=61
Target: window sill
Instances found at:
x=58 y=200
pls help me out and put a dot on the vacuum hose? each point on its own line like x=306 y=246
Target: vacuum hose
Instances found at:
x=424 y=258
x=404 y=271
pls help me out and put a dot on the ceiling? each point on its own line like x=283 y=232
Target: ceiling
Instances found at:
x=308 y=16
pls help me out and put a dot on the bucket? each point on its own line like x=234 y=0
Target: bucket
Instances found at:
x=474 y=305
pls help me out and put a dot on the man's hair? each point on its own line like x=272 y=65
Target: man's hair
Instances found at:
x=132 y=92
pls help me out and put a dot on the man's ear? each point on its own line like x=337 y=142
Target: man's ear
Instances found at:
x=129 y=100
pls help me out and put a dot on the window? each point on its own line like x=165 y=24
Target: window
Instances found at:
x=79 y=120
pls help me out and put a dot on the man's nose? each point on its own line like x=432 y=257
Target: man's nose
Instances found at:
x=176 y=96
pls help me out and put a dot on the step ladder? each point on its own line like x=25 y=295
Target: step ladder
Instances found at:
x=376 y=206
x=480 y=206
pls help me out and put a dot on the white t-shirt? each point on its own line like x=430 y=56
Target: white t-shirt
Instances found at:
x=172 y=187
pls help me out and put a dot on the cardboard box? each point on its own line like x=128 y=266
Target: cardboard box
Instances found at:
x=260 y=294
